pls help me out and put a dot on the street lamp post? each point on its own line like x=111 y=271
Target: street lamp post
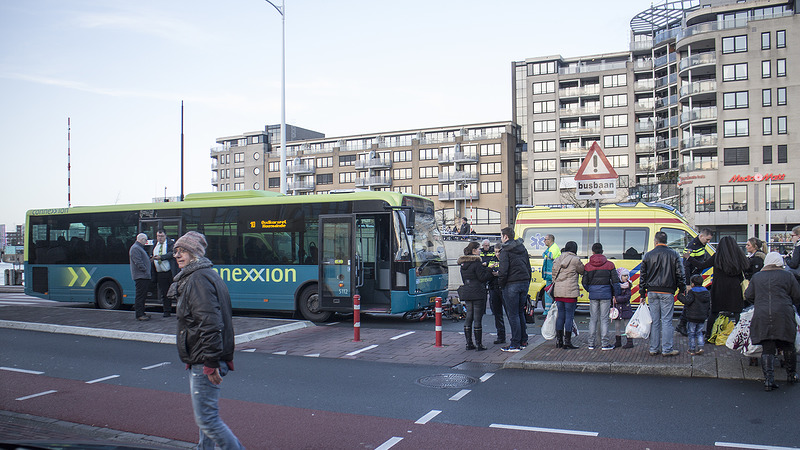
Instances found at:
x=282 y=11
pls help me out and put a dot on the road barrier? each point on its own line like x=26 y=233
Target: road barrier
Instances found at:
x=438 y=322
x=357 y=318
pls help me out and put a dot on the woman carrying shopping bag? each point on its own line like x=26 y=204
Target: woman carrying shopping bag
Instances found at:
x=566 y=269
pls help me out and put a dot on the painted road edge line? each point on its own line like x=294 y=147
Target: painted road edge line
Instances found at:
x=14 y=369
x=427 y=417
x=753 y=446
x=486 y=376
x=409 y=333
x=389 y=444
x=460 y=394
x=161 y=364
x=35 y=395
x=363 y=350
x=110 y=377
x=544 y=430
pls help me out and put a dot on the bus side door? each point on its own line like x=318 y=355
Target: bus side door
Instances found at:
x=337 y=265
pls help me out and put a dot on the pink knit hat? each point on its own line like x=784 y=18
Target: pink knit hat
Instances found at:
x=193 y=242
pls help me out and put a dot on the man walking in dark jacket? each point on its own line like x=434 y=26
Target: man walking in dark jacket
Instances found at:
x=660 y=276
x=140 y=272
x=514 y=277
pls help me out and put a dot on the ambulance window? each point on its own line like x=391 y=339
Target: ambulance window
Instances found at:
x=534 y=239
x=677 y=239
x=623 y=243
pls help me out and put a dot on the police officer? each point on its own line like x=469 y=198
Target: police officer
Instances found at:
x=489 y=259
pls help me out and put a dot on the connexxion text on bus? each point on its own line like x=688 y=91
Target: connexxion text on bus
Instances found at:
x=307 y=253
x=627 y=231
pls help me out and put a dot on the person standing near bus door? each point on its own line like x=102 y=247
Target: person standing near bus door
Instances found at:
x=140 y=272
x=550 y=254
x=165 y=270
x=514 y=277
x=205 y=336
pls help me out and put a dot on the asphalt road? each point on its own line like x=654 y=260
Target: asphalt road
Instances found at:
x=274 y=401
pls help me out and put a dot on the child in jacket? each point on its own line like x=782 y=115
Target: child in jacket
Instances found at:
x=696 y=306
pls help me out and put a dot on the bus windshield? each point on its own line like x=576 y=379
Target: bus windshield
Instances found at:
x=429 y=256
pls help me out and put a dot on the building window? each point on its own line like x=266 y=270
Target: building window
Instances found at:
x=491 y=149
x=237 y=158
x=544 y=107
x=782 y=125
x=544 y=87
x=544 y=146
x=767 y=154
x=238 y=186
x=736 y=128
x=544 y=184
x=238 y=172
x=491 y=187
x=324 y=178
x=326 y=161
x=426 y=154
x=780 y=67
x=491 y=168
x=734 y=100
x=733 y=198
x=617 y=140
x=734 y=44
x=704 y=199
x=782 y=154
x=402 y=189
x=734 y=72
x=766 y=97
x=486 y=217
x=737 y=156
x=429 y=190
x=544 y=126
x=401 y=156
x=780 y=39
x=274 y=166
x=765 y=44
x=347 y=160
x=781 y=91
x=612 y=101
x=347 y=177
x=428 y=172
x=402 y=174
x=256 y=171
x=617 y=120
x=544 y=165
x=766 y=69
x=615 y=80
x=781 y=196
x=541 y=68
x=256 y=186
x=618 y=161
x=766 y=125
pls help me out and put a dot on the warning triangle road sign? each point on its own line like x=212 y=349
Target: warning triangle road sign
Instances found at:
x=595 y=166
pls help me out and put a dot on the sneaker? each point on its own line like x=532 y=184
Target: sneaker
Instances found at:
x=699 y=351
x=523 y=344
x=672 y=352
x=510 y=348
x=655 y=353
x=591 y=347
x=691 y=352
x=607 y=347
x=143 y=318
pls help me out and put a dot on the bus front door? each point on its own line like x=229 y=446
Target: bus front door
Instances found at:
x=337 y=264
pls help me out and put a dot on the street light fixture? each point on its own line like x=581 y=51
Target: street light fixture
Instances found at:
x=282 y=11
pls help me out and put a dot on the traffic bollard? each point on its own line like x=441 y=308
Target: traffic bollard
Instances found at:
x=438 y=321
x=357 y=318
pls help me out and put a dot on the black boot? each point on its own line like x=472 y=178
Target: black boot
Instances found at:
x=768 y=368
x=628 y=342
x=568 y=341
x=479 y=339
x=559 y=338
x=501 y=339
x=681 y=328
x=618 y=342
x=790 y=358
x=468 y=335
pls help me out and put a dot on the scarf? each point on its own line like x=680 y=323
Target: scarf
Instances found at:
x=160 y=249
x=176 y=288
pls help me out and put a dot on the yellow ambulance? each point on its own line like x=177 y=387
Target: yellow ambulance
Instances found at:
x=626 y=232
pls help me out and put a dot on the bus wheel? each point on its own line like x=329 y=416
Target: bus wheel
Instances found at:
x=309 y=306
x=109 y=296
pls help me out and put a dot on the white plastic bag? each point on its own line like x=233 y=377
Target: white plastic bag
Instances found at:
x=549 y=326
x=797 y=336
x=639 y=325
x=739 y=339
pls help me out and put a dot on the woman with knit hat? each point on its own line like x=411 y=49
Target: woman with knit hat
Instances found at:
x=205 y=336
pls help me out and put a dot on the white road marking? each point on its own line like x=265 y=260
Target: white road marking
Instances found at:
x=402 y=335
x=36 y=395
x=460 y=394
x=332 y=323
x=427 y=417
x=486 y=376
x=544 y=430
x=363 y=350
x=13 y=369
x=312 y=355
x=156 y=365
x=279 y=353
x=110 y=377
x=389 y=444
x=15 y=303
x=249 y=350
x=753 y=446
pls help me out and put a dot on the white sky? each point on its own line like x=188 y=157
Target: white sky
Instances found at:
x=119 y=70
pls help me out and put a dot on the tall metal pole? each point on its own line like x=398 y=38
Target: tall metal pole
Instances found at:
x=769 y=214
x=69 y=166
x=165 y=189
x=282 y=11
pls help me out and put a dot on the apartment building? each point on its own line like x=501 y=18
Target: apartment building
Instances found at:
x=467 y=170
x=702 y=112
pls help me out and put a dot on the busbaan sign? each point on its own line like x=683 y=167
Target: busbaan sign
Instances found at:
x=757 y=178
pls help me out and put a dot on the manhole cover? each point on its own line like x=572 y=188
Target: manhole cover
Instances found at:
x=447 y=380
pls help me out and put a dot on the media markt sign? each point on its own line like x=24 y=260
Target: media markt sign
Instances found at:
x=595 y=178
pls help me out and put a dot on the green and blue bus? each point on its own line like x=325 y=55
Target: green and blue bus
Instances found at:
x=308 y=254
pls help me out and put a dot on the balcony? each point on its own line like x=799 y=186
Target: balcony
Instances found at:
x=374 y=181
x=373 y=163
x=645 y=147
x=573 y=151
x=458 y=157
x=584 y=110
x=300 y=169
x=300 y=186
x=667 y=122
x=579 y=131
x=699 y=141
x=219 y=149
x=666 y=80
x=644 y=105
x=663 y=102
x=666 y=35
x=699 y=89
x=709 y=27
x=642 y=46
x=663 y=166
x=644 y=126
x=447 y=177
x=646 y=167
x=698 y=60
x=666 y=59
x=578 y=91
x=460 y=194
x=569 y=171
x=640 y=65
x=588 y=67
x=663 y=144
x=707 y=113
x=648 y=84
x=700 y=166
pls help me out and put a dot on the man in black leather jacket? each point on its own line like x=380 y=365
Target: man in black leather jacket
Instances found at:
x=514 y=277
x=661 y=274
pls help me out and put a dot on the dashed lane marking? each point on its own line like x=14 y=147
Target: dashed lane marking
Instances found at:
x=753 y=446
x=486 y=376
x=312 y=355
x=402 y=335
x=460 y=394
x=279 y=353
x=363 y=350
x=110 y=377
x=249 y=350
x=389 y=444
x=162 y=364
x=14 y=369
x=427 y=417
x=15 y=303
x=36 y=395
x=544 y=430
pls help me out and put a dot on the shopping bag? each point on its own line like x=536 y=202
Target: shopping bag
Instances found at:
x=549 y=326
x=739 y=338
x=797 y=335
x=530 y=311
x=639 y=325
x=722 y=328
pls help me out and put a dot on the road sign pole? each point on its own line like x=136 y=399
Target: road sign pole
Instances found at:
x=597 y=220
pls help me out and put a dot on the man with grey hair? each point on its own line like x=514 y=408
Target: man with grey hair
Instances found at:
x=140 y=272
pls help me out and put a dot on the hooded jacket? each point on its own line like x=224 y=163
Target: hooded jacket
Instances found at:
x=515 y=265
x=474 y=275
x=600 y=279
x=697 y=304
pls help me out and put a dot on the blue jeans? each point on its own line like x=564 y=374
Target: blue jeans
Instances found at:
x=662 y=331
x=598 y=310
x=695 y=334
x=514 y=297
x=205 y=403
x=566 y=315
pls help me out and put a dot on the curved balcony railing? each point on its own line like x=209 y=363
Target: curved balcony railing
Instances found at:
x=700 y=140
x=699 y=114
x=698 y=87
x=700 y=59
x=666 y=59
